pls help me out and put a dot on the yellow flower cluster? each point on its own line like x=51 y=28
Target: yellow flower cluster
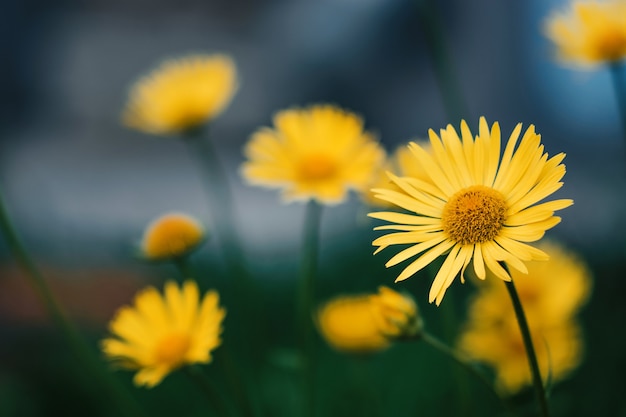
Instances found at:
x=552 y=293
x=368 y=322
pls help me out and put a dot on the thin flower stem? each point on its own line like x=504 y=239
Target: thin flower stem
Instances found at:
x=83 y=352
x=466 y=364
x=236 y=380
x=430 y=23
x=540 y=391
x=305 y=300
x=619 y=84
x=223 y=219
x=185 y=270
x=221 y=202
x=209 y=389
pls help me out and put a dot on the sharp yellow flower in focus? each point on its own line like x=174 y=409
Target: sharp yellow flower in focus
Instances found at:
x=171 y=236
x=181 y=94
x=475 y=206
x=552 y=294
x=161 y=333
x=368 y=322
x=318 y=153
x=590 y=32
x=401 y=163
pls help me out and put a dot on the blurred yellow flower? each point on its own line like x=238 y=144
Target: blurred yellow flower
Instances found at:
x=162 y=333
x=475 y=205
x=317 y=153
x=559 y=350
x=368 y=322
x=591 y=32
x=552 y=293
x=171 y=236
x=181 y=94
x=401 y=163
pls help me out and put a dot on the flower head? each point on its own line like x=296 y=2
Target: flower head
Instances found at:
x=368 y=322
x=171 y=236
x=559 y=350
x=318 y=153
x=181 y=94
x=591 y=32
x=551 y=293
x=474 y=206
x=162 y=333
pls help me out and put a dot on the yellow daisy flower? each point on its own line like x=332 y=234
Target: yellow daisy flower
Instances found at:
x=317 y=153
x=162 y=333
x=475 y=205
x=401 y=163
x=591 y=32
x=559 y=349
x=551 y=293
x=181 y=94
x=368 y=322
x=171 y=236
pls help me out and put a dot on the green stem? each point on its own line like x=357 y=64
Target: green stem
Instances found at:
x=305 y=301
x=209 y=390
x=221 y=202
x=186 y=272
x=432 y=29
x=250 y=315
x=82 y=351
x=466 y=364
x=619 y=85
x=229 y=366
x=540 y=391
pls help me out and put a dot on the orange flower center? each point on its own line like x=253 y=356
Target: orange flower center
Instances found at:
x=474 y=215
x=317 y=166
x=611 y=44
x=172 y=349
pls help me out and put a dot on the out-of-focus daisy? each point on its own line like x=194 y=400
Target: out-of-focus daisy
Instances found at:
x=552 y=293
x=590 y=32
x=181 y=94
x=401 y=163
x=316 y=153
x=161 y=333
x=368 y=322
x=171 y=236
x=559 y=349
x=476 y=205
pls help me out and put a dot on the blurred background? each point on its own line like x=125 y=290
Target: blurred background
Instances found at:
x=81 y=187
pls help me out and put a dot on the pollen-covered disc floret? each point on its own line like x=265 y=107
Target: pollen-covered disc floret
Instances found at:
x=474 y=205
x=474 y=215
x=320 y=153
x=161 y=333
